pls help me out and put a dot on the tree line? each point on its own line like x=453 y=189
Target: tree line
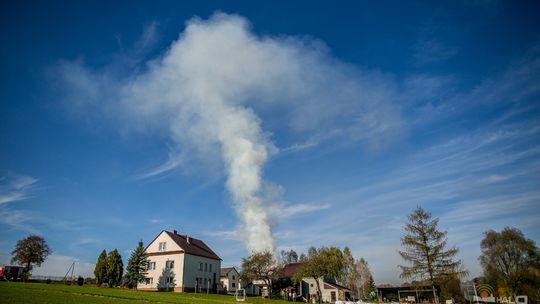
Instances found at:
x=110 y=268
x=510 y=261
x=333 y=264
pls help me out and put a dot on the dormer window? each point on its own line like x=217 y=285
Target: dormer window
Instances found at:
x=162 y=246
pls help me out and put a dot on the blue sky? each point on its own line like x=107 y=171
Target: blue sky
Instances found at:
x=294 y=124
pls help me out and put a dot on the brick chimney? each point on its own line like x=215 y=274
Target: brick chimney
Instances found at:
x=175 y=232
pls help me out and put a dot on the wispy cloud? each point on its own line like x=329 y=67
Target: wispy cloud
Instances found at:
x=224 y=234
x=433 y=50
x=285 y=211
x=172 y=163
x=16 y=188
x=17 y=219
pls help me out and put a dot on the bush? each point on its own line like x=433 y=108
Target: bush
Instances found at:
x=80 y=281
x=48 y=281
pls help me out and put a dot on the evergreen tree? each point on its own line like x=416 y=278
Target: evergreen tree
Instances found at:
x=101 y=269
x=115 y=268
x=136 y=267
x=372 y=288
x=424 y=248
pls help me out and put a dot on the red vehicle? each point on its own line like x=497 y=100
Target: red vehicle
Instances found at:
x=12 y=273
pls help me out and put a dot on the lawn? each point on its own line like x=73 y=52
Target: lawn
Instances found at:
x=29 y=293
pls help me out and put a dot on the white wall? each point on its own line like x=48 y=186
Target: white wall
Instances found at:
x=161 y=261
x=163 y=237
x=232 y=277
x=192 y=271
x=326 y=294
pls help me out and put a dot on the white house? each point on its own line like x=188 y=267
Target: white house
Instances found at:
x=181 y=263
x=229 y=279
x=330 y=292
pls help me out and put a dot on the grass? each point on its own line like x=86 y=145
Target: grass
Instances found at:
x=30 y=293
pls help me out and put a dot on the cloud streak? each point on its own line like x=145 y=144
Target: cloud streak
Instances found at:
x=16 y=188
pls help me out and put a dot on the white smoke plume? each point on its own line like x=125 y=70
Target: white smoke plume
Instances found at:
x=211 y=92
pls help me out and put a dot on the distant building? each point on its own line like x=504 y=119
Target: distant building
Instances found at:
x=306 y=290
x=229 y=279
x=418 y=292
x=181 y=263
x=330 y=291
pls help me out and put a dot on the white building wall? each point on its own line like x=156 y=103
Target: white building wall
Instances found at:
x=192 y=271
x=326 y=294
x=233 y=277
x=160 y=259
x=160 y=262
x=163 y=238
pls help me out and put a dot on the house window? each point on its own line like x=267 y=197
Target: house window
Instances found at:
x=162 y=246
x=200 y=266
x=205 y=267
x=210 y=267
x=233 y=285
x=169 y=264
x=151 y=265
x=170 y=280
x=149 y=281
x=233 y=277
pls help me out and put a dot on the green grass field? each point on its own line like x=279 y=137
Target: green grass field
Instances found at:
x=30 y=293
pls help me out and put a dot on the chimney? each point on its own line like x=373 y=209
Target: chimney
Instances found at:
x=175 y=232
x=187 y=239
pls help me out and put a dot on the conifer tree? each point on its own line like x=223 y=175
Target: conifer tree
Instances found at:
x=101 y=269
x=372 y=288
x=136 y=267
x=115 y=268
x=425 y=249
